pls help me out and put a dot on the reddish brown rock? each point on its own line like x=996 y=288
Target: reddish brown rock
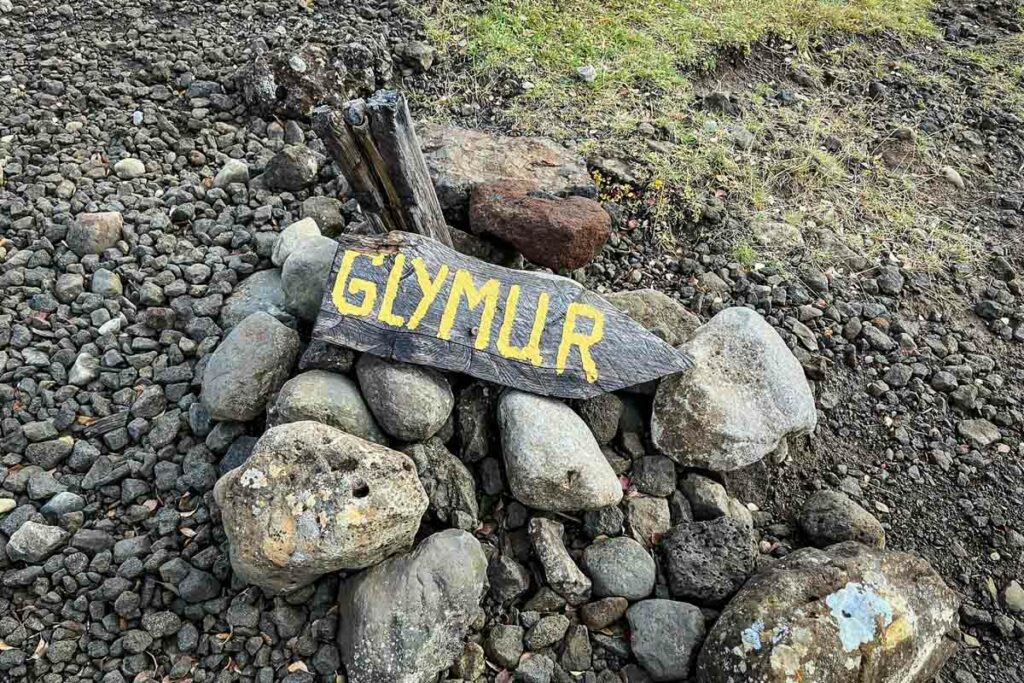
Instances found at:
x=550 y=231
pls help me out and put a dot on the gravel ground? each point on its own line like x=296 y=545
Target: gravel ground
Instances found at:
x=82 y=88
x=917 y=376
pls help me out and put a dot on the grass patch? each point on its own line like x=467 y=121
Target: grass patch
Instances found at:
x=646 y=44
x=647 y=56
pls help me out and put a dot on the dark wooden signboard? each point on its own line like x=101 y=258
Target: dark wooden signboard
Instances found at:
x=407 y=297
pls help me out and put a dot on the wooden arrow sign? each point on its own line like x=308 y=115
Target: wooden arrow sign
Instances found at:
x=407 y=297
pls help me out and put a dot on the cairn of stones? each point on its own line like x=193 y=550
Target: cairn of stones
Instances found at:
x=473 y=531
x=479 y=530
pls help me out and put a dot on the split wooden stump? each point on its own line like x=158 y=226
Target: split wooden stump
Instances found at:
x=374 y=143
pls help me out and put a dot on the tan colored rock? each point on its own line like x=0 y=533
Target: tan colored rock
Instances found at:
x=94 y=233
x=312 y=500
x=846 y=614
x=660 y=314
x=459 y=159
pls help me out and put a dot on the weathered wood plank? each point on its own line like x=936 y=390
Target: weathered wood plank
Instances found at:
x=344 y=149
x=374 y=143
x=407 y=297
x=396 y=141
x=106 y=424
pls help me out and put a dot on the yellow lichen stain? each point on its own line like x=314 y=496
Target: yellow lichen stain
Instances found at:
x=787 y=660
x=279 y=546
x=350 y=516
x=899 y=631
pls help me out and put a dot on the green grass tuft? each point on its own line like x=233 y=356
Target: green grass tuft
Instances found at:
x=647 y=44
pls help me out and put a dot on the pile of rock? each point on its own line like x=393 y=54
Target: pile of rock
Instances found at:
x=443 y=502
x=400 y=522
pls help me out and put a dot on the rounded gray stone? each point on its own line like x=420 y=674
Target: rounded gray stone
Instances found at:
x=305 y=275
x=665 y=636
x=328 y=398
x=619 y=567
x=233 y=171
x=129 y=169
x=552 y=460
x=290 y=238
x=746 y=393
x=261 y=291
x=410 y=402
x=830 y=517
x=250 y=365
x=437 y=591
x=106 y=283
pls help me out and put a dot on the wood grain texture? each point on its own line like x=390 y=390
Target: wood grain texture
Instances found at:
x=625 y=355
x=106 y=424
x=344 y=149
x=374 y=144
x=412 y=188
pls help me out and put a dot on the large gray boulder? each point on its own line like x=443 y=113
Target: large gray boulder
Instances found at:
x=261 y=291
x=411 y=402
x=552 y=460
x=311 y=500
x=846 y=614
x=662 y=315
x=328 y=398
x=665 y=637
x=248 y=367
x=746 y=393
x=305 y=274
x=404 y=620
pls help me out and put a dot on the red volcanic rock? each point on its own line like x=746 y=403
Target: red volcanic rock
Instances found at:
x=556 y=232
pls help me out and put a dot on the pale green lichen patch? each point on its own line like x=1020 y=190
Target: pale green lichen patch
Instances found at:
x=861 y=614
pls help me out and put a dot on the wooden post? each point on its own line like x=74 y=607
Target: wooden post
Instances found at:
x=375 y=145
